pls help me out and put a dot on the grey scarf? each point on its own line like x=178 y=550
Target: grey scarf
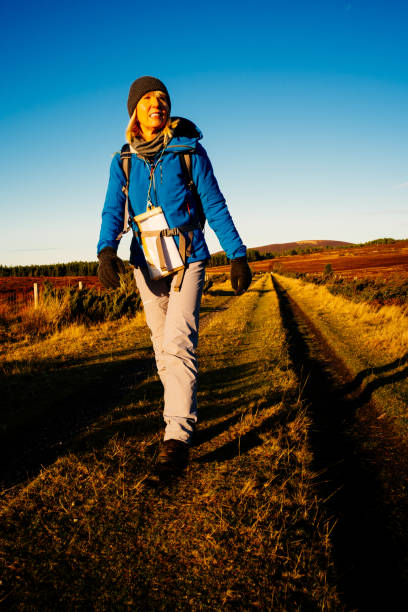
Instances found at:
x=149 y=149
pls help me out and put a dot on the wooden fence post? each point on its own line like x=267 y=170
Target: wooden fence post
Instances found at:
x=35 y=295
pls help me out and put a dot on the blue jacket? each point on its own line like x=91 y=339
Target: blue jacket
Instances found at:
x=169 y=190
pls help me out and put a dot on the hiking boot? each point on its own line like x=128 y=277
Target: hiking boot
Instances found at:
x=172 y=458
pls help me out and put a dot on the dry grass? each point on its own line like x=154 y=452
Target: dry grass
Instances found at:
x=76 y=341
x=372 y=343
x=28 y=323
x=382 y=332
x=36 y=335
x=243 y=529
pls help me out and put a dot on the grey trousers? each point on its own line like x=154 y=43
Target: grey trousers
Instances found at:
x=173 y=321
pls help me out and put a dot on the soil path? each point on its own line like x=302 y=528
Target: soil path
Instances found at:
x=369 y=555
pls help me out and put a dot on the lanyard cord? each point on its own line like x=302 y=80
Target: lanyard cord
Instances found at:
x=152 y=167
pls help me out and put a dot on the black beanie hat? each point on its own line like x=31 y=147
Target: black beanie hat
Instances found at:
x=140 y=87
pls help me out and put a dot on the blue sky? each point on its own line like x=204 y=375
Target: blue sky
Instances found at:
x=303 y=107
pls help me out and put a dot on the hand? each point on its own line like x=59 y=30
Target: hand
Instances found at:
x=110 y=266
x=241 y=275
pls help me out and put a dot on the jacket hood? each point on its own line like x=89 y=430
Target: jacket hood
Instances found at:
x=186 y=135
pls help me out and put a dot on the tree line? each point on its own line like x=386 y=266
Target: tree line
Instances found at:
x=90 y=268
x=220 y=259
x=73 y=268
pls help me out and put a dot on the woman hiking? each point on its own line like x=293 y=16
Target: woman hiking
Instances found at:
x=157 y=182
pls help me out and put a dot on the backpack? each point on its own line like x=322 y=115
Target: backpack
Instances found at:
x=185 y=161
x=185 y=233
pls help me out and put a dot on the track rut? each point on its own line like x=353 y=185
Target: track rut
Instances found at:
x=368 y=550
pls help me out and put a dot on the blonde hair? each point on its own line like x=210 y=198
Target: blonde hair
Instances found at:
x=133 y=127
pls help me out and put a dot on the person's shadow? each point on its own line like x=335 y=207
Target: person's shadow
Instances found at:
x=43 y=411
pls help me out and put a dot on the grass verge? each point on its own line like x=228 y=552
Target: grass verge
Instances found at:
x=372 y=343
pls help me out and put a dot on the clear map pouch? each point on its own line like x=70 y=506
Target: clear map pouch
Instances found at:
x=159 y=247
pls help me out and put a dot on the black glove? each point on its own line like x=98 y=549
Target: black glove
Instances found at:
x=241 y=275
x=110 y=266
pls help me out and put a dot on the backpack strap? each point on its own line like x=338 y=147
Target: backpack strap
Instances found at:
x=185 y=160
x=185 y=233
x=126 y=162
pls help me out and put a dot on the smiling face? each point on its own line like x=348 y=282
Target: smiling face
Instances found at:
x=152 y=112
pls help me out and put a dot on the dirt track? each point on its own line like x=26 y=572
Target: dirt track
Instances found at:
x=242 y=530
x=369 y=553
x=369 y=534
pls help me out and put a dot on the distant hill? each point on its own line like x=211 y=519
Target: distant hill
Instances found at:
x=287 y=246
